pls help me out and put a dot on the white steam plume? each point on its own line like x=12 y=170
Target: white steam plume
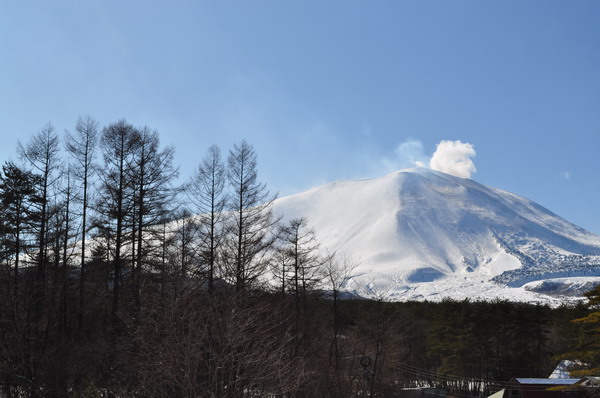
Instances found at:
x=411 y=151
x=454 y=157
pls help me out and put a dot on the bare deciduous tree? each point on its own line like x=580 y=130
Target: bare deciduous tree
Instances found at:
x=336 y=271
x=207 y=195
x=298 y=270
x=251 y=220
x=82 y=147
x=41 y=153
x=118 y=142
x=152 y=172
x=225 y=348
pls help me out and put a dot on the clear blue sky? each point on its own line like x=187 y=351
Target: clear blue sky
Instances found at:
x=325 y=90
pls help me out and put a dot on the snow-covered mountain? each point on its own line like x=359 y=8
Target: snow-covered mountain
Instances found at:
x=423 y=234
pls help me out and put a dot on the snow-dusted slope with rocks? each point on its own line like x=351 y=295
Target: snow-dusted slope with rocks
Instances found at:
x=423 y=234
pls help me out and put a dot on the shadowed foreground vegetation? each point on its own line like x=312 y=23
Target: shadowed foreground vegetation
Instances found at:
x=187 y=342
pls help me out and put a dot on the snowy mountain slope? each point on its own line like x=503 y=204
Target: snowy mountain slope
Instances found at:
x=417 y=232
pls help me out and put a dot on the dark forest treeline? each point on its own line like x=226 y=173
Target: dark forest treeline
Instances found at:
x=112 y=287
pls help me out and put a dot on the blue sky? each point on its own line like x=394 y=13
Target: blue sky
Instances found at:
x=325 y=90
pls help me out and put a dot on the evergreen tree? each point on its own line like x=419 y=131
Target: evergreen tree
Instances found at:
x=588 y=344
x=17 y=195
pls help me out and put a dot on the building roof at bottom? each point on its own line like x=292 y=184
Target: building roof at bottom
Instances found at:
x=557 y=382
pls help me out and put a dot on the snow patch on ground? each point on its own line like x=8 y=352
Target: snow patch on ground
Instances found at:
x=464 y=287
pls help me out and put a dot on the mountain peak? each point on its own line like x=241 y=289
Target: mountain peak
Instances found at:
x=418 y=227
